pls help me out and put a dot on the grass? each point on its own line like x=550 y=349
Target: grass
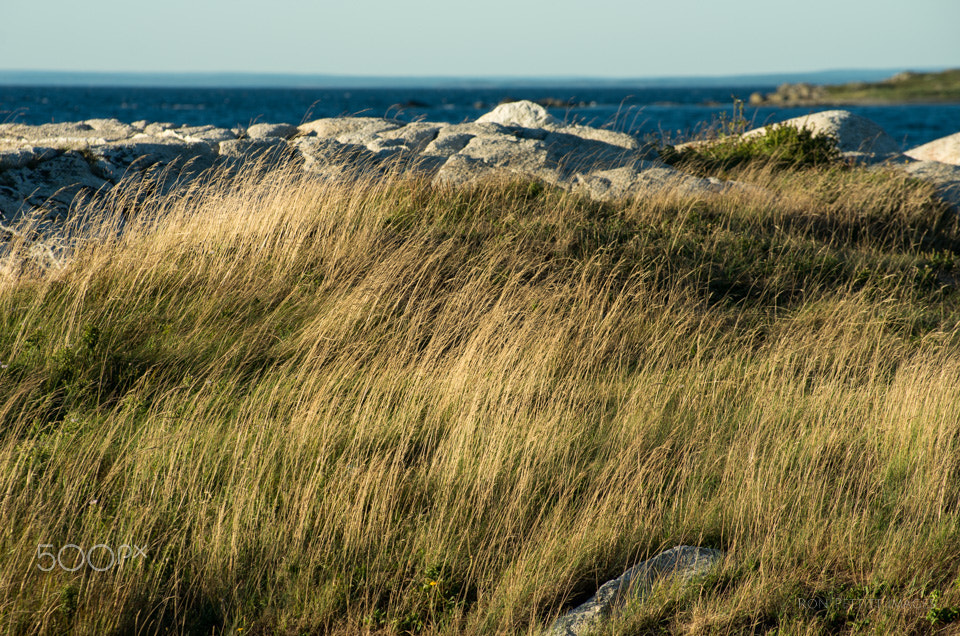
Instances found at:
x=942 y=86
x=387 y=407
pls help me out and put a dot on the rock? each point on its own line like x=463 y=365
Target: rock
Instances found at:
x=552 y=155
x=413 y=137
x=570 y=153
x=944 y=150
x=348 y=129
x=67 y=136
x=854 y=134
x=460 y=170
x=646 y=178
x=680 y=565
x=154 y=129
x=945 y=176
x=111 y=129
x=330 y=159
x=114 y=160
x=53 y=184
x=252 y=148
x=454 y=138
x=522 y=113
x=609 y=137
x=198 y=134
x=515 y=154
x=16 y=158
x=267 y=131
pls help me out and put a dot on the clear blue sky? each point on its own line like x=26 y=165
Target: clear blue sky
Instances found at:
x=601 y=38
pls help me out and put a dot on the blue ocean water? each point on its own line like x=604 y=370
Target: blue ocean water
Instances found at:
x=673 y=112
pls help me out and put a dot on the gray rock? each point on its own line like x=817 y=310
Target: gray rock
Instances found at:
x=267 y=131
x=114 y=160
x=551 y=155
x=198 y=134
x=944 y=150
x=647 y=177
x=523 y=113
x=609 y=137
x=111 y=129
x=459 y=170
x=330 y=159
x=157 y=127
x=452 y=139
x=574 y=153
x=854 y=134
x=252 y=148
x=51 y=185
x=16 y=158
x=348 y=129
x=528 y=156
x=71 y=135
x=680 y=565
x=945 y=176
x=413 y=137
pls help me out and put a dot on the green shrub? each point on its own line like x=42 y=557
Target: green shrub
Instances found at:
x=782 y=147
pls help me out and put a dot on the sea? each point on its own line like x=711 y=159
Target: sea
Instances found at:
x=670 y=114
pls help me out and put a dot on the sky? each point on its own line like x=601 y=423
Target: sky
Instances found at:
x=523 y=38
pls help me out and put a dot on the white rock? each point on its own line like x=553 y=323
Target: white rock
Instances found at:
x=944 y=150
x=611 y=137
x=523 y=113
x=413 y=137
x=114 y=160
x=344 y=129
x=854 y=134
x=648 y=177
x=452 y=139
x=267 y=131
x=199 y=134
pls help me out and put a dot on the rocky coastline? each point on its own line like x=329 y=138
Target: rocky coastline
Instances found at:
x=905 y=87
x=46 y=168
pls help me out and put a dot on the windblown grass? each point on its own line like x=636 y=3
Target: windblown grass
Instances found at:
x=387 y=407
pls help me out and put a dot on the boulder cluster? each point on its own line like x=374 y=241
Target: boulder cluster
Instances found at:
x=47 y=166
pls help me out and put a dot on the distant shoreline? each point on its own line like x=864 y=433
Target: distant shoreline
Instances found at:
x=903 y=88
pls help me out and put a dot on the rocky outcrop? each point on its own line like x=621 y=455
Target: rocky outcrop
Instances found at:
x=680 y=565
x=943 y=150
x=47 y=166
x=791 y=94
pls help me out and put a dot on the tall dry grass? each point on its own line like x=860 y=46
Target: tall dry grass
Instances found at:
x=387 y=407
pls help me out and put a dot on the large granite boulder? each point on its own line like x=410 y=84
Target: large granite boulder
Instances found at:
x=944 y=150
x=857 y=137
x=523 y=113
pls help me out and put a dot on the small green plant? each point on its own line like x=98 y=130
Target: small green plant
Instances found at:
x=780 y=147
x=939 y=615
